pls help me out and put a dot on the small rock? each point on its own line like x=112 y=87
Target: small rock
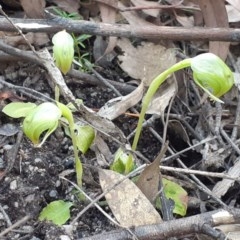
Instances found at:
x=64 y=237
x=53 y=193
x=13 y=185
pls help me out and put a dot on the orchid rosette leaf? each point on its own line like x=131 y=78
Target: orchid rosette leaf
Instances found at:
x=212 y=75
x=63 y=50
x=43 y=118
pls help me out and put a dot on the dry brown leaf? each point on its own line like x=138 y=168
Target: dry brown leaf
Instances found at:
x=133 y=18
x=162 y=97
x=223 y=186
x=37 y=39
x=108 y=15
x=33 y=8
x=185 y=21
x=233 y=13
x=215 y=15
x=234 y=3
x=129 y=205
x=117 y=106
x=148 y=181
x=143 y=3
x=70 y=6
x=180 y=132
x=145 y=61
x=102 y=151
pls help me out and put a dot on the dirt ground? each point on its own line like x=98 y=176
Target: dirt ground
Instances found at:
x=206 y=132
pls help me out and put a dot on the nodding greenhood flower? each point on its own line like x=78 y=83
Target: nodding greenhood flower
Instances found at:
x=63 y=50
x=43 y=118
x=212 y=75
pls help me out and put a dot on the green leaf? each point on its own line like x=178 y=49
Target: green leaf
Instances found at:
x=123 y=163
x=57 y=212
x=18 y=109
x=85 y=137
x=177 y=194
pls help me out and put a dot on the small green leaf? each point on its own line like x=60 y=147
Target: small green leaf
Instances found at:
x=177 y=194
x=85 y=137
x=123 y=163
x=57 y=212
x=18 y=109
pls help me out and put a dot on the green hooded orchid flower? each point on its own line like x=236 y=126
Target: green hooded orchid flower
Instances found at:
x=212 y=75
x=63 y=50
x=209 y=72
x=43 y=118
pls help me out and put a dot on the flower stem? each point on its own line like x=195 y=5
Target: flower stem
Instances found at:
x=152 y=90
x=66 y=112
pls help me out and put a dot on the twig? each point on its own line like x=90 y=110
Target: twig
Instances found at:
x=18 y=29
x=179 y=227
x=90 y=79
x=12 y=155
x=15 y=225
x=122 y=30
x=6 y=217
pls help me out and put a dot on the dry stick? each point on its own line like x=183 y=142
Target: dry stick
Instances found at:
x=237 y=121
x=18 y=30
x=202 y=173
x=12 y=155
x=91 y=200
x=179 y=227
x=228 y=139
x=90 y=79
x=6 y=217
x=122 y=30
x=26 y=91
x=15 y=225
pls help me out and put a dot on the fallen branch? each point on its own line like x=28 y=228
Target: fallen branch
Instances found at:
x=56 y=24
x=201 y=223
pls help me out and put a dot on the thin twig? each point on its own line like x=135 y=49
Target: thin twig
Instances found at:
x=19 y=30
x=15 y=225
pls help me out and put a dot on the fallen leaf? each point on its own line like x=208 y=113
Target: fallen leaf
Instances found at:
x=143 y=3
x=215 y=15
x=145 y=61
x=148 y=181
x=133 y=18
x=221 y=187
x=37 y=39
x=33 y=8
x=162 y=97
x=115 y=107
x=233 y=13
x=70 y=6
x=234 y=3
x=177 y=127
x=129 y=205
x=9 y=129
x=108 y=15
